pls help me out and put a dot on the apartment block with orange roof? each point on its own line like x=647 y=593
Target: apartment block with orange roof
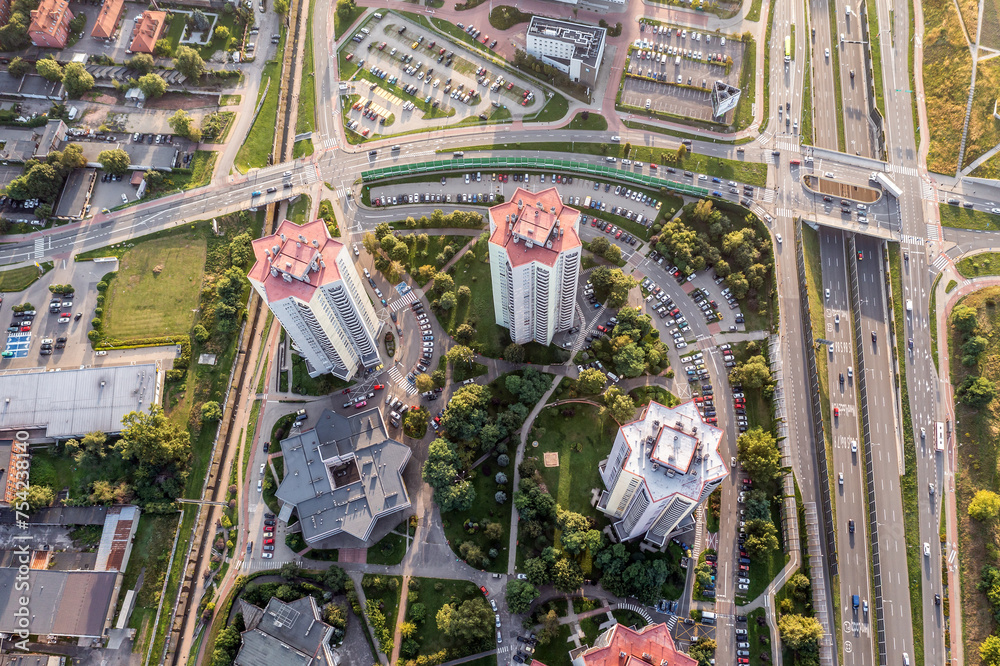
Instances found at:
x=535 y=253
x=623 y=646
x=50 y=24
x=107 y=19
x=147 y=31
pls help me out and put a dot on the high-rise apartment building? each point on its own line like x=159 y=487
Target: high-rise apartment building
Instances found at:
x=535 y=255
x=309 y=282
x=661 y=467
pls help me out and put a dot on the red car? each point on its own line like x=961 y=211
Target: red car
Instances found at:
x=378 y=387
x=602 y=329
x=593 y=222
x=652 y=166
x=345 y=391
x=482 y=588
x=25 y=329
x=836 y=410
x=268 y=542
x=509 y=86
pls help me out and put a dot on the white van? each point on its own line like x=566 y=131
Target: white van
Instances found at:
x=613 y=377
x=677 y=61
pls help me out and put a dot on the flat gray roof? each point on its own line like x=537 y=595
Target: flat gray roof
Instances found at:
x=289 y=634
x=585 y=39
x=75 y=192
x=64 y=603
x=71 y=403
x=141 y=156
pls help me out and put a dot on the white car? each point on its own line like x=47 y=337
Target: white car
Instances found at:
x=356 y=253
x=827 y=294
x=262 y=465
x=267 y=556
x=778 y=238
x=102 y=353
x=493 y=605
x=927 y=549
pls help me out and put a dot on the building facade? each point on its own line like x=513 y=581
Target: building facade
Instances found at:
x=575 y=49
x=147 y=31
x=50 y=24
x=619 y=645
x=309 y=282
x=660 y=469
x=535 y=253
x=107 y=19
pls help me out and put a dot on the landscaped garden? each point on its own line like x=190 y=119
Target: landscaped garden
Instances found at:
x=450 y=619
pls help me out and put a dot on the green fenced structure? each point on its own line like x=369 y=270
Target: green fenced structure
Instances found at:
x=529 y=164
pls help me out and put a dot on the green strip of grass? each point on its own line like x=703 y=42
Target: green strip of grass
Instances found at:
x=19 y=279
x=979 y=265
x=303 y=148
x=554 y=109
x=340 y=25
x=259 y=141
x=793 y=41
x=594 y=121
x=806 y=128
x=752 y=173
x=908 y=482
x=754 y=13
x=838 y=93
x=933 y=320
x=389 y=550
x=305 y=119
x=959 y=217
x=765 y=112
x=875 y=48
x=299 y=211
x=748 y=84
x=656 y=129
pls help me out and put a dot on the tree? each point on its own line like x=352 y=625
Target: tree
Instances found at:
x=465 y=334
x=532 y=503
x=152 y=85
x=41 y=181
x=460 y=354
x=591 y=381
x=704 y=651
x=115 y=161
x=567 y=575
x=281 y=7
x=210 y=411
x=182 y=123
x=798 y=632
x=985 y=506
x=441 y=466
x=964 y=319
x=345 y=8
x=738 y=283
x=468 y=623
x=424 y=382
x=221 y=33
x=466 y=413
x=599 y=245
x=158 y=451
x=163 y=48
x=520 y=594
x=620 y=406
x=142 y=63
x=18 y=67
x=800 y=586
x=443 y=283
x=39 y=497
x=630 y=361
x=335 y=615
x=752 y=373
x=49 y=69
x=334 y=579
x=758 y=505
x=681 y=152
x=189 y=63
x=577 y=535
x=758 y=455
x=612 y=286
x=977 y=392
x=989 y=650
x=77 y=79
x=537 y=571
x=513 y=353
x=199 y=21
x=762 y=538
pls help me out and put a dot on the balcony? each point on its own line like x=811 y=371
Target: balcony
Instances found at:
x=602 y=503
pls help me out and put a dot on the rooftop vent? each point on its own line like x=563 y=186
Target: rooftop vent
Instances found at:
x=316 y=243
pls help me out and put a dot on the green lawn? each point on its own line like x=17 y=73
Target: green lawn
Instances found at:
x=156 y=289
x=629 y=618
x=303 y=148
x=303 y=384
x=390 y=549
x=260 y=139
x=765 y=569
x=484 y=510
x=490 y=339
x=305 y=120
x=388 y=599
x=555 y=109
x=150 y=554
x=19 y=279
x=748 y=84
x=589 y=627
x=967 y=218
x=201 y=168
x=755 y=632
x=759 y=409
x=176 y=30
x=754 y=13
x=435 y=244
x=595 y=122
x=298 y=212
x=556 y=651
x=644 y=394
x=340 y=25
x=933 y=318
x=979 y=265
x=452 y=592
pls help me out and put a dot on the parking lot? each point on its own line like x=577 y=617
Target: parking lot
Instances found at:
x=421 y=78
x=674 y=69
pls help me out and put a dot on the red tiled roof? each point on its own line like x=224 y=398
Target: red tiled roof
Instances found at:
x=147 y=31
x=622 y=646
x=294 y=256
x=49 y=16
x=534 y=219
x=107 y=19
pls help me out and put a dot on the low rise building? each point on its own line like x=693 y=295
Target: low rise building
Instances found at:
x=619 y=645
x=342 y=477
x=31 y=86
x=50 y=24
x=147 y=31
x=107 y=19
x=285 y=634
x=535 y=253
x=575 y=49
x=661 y=467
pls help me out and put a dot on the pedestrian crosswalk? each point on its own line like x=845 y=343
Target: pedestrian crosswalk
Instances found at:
x=329 y=143
x=39 y=248
x=766 y=195
x=940 y=262
x=764 y=138
x=254 y=564
x=903 y=170
x=399 y=380
x=403 y=301
x=785 y=212
x=932 y=231
x=504 y=649
x=913 y=240
x=927 y=192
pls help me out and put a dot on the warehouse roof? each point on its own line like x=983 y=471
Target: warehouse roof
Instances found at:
x=63 y=603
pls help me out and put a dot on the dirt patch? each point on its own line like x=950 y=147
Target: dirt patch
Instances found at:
x=173 y=101
x=551 y=459
x=104 y=98
x=841 y=190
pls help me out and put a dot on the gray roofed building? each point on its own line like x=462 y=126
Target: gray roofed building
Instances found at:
x=52 y=133
x=71 y=403
x=289 y=634
x=343 y=476
x=576 y=49
x=142 y=156
x=63 y=603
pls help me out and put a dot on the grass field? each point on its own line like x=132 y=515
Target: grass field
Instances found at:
x=871 y=11
x=933 y=318
x=156 y=289
x=748 y=83
x=300 y=210
x=305 y=119
x=979 y=265
x=806 y=128
x=19 y=279
x=303 y=384
x=947 y=77
x=838 y=91
x=340 y=25
x=555 y=109
x=452 y=592
x=260 y=139
x=594 y=122
x=176 y=30
x=967 y=218
x=485 y=509
x=751 y=173
x=556 y=651
x=754 y=13
x=988 y=169
x=390 y=549
x=984 y=130
x=435 y=244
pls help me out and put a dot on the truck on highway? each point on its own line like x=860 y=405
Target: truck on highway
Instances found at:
x=887 y=184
